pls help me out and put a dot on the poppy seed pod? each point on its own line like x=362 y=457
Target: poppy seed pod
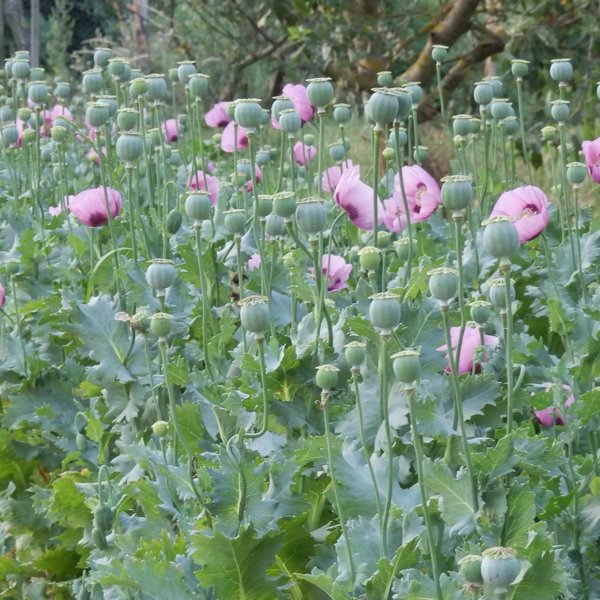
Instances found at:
x=127 y=119
x=560 y=111
x=280 y=103
x=311 y=216
x=475 y=125
x=470 y=568
x=97 y=114
x=382 y=106
x=457 y=192
x=284 y=204
x=235 y=221
x=439 y=53
x=161 y=274
x=157 y=87
x=483 y=93
x=160 y=324
x=341 y=113
x=384 y=78
x=500 y=237
x=172 y=75
x=255 y=315
x=415 y=90
x=263 y=157
x=22 y=54
x=355 y=353
x=248 y=113
x=160 y=428
x=369 y=258
x=319 y=91
x=576 y=173
x=337 y=151
x=185 y=69
x=510 y=125
x=111 y=103
x=407 y=366
x=480 y=311
x=402 y=246
x=398 y=137
x=7 y=115
x=519 y=68
x=198 y=206
x=37 y=92
x=421 y=154
x=62 y=90
x=198 y=84
x=116 y=67
x=92 y=81
x=561 y=70
x=138 y=87
x=274 y=226
x=129 y=146
x=10 y=135
x=101 y=57
x=443 y=284
x=289 y=120
x=499 y=567
x=461 y=125
x=497 y=293
x=174 y=220
x=264 y=206
x=327 y=377
x=500 y=108
x=21 y=69
x=385 y=312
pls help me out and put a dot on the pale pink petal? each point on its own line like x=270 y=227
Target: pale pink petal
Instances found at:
x=228 y=143
x=304 y=154
x=331 y=176
x=170 y=130
x=471 y=341
x=196 y=182
x=299 y=97
x=253 y=262
x=89 y=206
x=217 y=116
x=591 y=152
x=356 y=198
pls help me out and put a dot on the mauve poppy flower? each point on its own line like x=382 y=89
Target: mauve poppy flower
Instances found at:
x=527 y=206
x=253 y=262
x=337 y=271
x=356 y=198
x=471 y=341
x=2 y=295
x=548 y=417
x=591 y=151
x=297 y=94
x=217 y=116
x=196 y=182
x=90 y=208
x=170 y=130
x=303 y=154
x=228 y=138
x=58 y=110
x=331 y=176
x=422 y=194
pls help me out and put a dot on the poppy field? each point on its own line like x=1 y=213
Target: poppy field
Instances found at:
x=258 y=348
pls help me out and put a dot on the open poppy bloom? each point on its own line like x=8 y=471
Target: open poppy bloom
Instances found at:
x=170 y=130
x=89 y=206
x=228 y=139
x=217 y=116
x=356 y=198
x=551 y=416
x=331 y=176
x=527 y=206
x=297 y=94
x=423 y=196
x=591 y=151
x=196 y=182
x=471 y=342
x=337 y=271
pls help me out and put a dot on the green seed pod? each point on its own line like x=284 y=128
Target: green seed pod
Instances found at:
x=116 y=67
x=102 y=56
x=248 y=113
x=560 y=111
x=369 y=258
x=138 y=87
x=337 y=151
x=510 y=126
x=389 y=154
x=401 y=246
x=289 y=120
x=385 y=79
x=443 y=284
x=157 y=87
x=235 y=221
x=439 y=53
x=174 y=220
x=10 y=135
x=500 y=237
x=37 y=92
x=475 y=125
x=111 y=103
x=263 y=157
x=407 y=366
x=185 y=69
x=416 y=92
x=280 y=103
x=421 y=154
x=385 y=312
x=355 y=353
x=160 y=324
x=153 y=137
x=284 y=204
x=576 y=173
x=496 y=84
x=519 y=68
x=92 y=81
x=7 y=115
x=140 y=321
x=561 y=70
x=97 y=114
x=311 y=216
x=62 y=90
x=28 y=136
x=255 y=314
x=274 y=226
x=461 y=125
x=58 y=133
x=160 y=428
x=405 y=102
x=327 y=377
x=81 y=441
x=319 y=91
x=130 y=147
x=264 y=206
x=382 y=106
x=47 y=152
x=457 y=192
x=500 y=108
x=161 y=274
x=497 y=293
x=549 y=133
x=173 y=75
x=470 y=568
x=22 y=55
x=480 y=311
x=198 y=206
x=21 y=69
x=499 y=566
x=398 y=138
x=99 y=538
x=103 y=517
x=24 y=113
x=198 y=85
x=341 y=113
x=127 y=119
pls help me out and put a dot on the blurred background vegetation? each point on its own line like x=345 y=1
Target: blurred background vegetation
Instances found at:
x=253 y=48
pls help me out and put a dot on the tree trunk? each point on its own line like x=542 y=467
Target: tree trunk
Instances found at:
x=35 y=33
x=2 y=32
x=15 y=20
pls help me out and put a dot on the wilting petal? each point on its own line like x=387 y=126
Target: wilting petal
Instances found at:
x=228 y=138
x=217 y=116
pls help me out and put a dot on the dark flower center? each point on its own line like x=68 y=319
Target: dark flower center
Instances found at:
x=96 y=219
x=532 y=208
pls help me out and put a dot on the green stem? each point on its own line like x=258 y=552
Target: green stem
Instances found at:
x=132 y=205
x=263 y=382
x=578 y=242
x=384 y=408
x=438 y=76
x=320 y=116
x=205 y=303
x=19 y=324
x=505 y=268
x=522 y=126
x=376 y=134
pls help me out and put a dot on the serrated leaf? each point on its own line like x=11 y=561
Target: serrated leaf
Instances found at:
x=542 y=581
x=520 y=515
x=477 y=393
x=493 y=463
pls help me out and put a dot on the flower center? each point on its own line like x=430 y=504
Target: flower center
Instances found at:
x=530 y=210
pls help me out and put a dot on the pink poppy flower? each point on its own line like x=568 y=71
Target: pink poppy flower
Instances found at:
x=253 y=262
x=527 y=206
x=423 y=197
x=356 y=198
x=548 y=417
x=58 y=110
x=297 y=94
x=2 y=295
x=196 y=182
x=591 y=151
x=90 y=208
x=303 y=154
x=228 y=138
x=257 y=175
x=337 y=271
x=331 y=176
x=471 y=341
x=170 y=130
x=217 y=116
